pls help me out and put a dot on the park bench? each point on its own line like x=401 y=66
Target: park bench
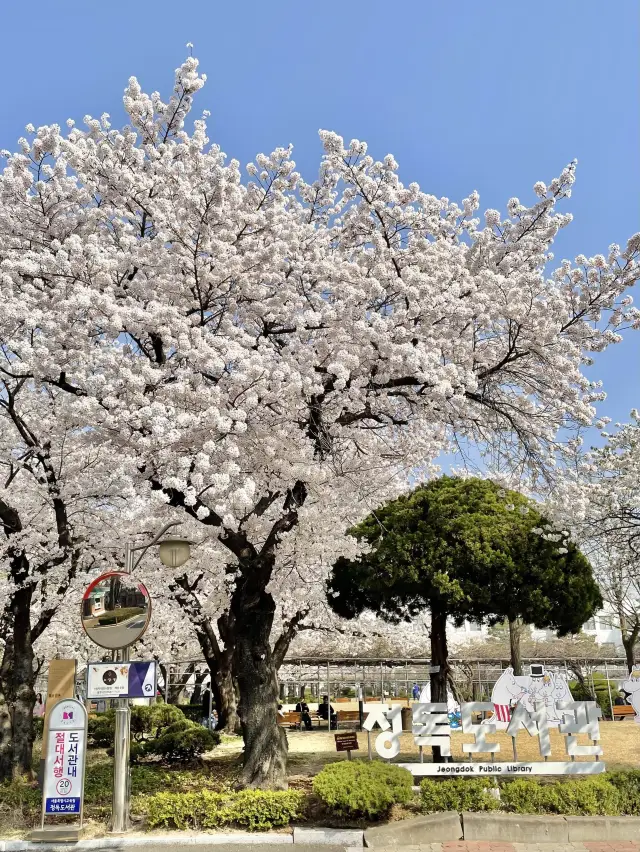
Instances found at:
x=290 y=720
x=348 y=717
x=293 y=720
x=619 y=712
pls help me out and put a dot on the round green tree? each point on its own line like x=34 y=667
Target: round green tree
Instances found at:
x=464 y=549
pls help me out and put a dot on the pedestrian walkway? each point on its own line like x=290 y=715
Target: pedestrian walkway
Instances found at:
x=488 y=846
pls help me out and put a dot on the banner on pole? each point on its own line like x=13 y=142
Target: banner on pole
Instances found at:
x=121 y=680
x=60 y=684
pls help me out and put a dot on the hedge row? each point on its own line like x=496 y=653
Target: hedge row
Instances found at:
x=252 y=809
x=606 y=795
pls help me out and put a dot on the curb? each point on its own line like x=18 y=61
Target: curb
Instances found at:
x=324 y=837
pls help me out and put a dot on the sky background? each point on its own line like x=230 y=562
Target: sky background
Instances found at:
x=489 y=96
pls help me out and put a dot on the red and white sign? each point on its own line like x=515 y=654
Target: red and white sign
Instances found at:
x=64 y=768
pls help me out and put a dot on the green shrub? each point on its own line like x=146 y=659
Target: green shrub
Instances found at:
x=253 y=809
x=183 y=744
x=38 y=728
x=583 y=797
x=101 y=729
x=628 y=786
x=20 y=796
x=193 y=712
x=457 y=794
x=358 y=788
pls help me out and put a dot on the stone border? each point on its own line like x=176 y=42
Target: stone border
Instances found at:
x=428 y=829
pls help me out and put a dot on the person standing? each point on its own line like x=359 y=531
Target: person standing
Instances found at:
x=415 y=692
x=39 y=707
x=206 y=707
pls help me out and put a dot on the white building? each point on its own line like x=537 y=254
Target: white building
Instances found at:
x=602 y=627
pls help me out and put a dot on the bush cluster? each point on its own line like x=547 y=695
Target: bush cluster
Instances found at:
x=160 y=731
x=458 y=794
x=252 y=809
x=363 y=789
x=606 y=795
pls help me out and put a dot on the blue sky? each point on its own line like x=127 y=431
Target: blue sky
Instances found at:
x=489 y=96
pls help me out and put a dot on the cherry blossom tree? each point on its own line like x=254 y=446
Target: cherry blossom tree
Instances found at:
x=278 y=355
x=59 y=495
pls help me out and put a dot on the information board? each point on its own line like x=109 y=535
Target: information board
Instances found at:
x=64 y=768
x=347 y=741
x=121 y=680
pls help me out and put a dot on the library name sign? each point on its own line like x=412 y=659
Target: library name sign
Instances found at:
x=431 y=727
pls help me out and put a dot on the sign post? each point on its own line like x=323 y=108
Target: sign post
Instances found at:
x=347 y=742
x=63 y=783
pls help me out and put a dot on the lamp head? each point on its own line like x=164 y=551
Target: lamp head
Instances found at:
x=174 y=552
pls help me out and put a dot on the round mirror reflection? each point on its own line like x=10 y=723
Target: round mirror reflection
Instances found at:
x=116 y=609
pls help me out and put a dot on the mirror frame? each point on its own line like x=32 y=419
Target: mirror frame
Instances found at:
x=101 y=579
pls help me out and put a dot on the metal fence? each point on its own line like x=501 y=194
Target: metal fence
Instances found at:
x=384 y=679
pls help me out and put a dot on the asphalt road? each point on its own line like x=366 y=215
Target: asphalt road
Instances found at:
x=117 y=635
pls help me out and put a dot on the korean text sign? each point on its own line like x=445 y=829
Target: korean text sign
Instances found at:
x=64 y=768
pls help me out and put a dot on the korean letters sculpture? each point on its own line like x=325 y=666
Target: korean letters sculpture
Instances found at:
x=431 y=728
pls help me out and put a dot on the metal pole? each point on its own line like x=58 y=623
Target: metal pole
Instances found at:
x=606 y=674
x=121 y=775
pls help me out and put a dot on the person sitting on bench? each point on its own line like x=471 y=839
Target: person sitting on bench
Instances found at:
x=303 y=708
x=621 y=701
x=326 y=711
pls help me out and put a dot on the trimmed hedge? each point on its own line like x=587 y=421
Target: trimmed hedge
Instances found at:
x=601 y=795
x=355 y=788
x=457 y=794
x=252 y=809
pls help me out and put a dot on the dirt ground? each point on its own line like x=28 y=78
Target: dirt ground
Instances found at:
x=310 y=750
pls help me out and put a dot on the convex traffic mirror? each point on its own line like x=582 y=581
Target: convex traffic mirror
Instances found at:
x=116 y=609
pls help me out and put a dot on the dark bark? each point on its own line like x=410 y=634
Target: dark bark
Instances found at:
x=516 y=628
x=223 y=689
x=439 y=661
x=265 y=743
x=17 y=695
x=630 y=634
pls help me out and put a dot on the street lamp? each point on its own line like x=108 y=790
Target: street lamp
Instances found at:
x=173 y=553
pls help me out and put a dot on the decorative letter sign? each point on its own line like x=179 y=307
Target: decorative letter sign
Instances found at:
x=479 y=731
x=535 y=724
x=582 y=719
x=431 y=728
x=387 y=745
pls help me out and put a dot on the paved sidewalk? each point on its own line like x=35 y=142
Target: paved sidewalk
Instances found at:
x=487 y=846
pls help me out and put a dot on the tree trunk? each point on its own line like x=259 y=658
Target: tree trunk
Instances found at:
x=629 y=642
x=265 y=742
x=17 y=680
x=439 y=660
x=224 y=694
x=516 y=628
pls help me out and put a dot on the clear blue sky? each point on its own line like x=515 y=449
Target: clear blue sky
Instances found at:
x=489 y=96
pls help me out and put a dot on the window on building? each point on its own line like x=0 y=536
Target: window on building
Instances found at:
x=606 y=622
x=591 y=624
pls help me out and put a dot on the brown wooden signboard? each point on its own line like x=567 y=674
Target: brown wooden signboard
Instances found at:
x=347 y=742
